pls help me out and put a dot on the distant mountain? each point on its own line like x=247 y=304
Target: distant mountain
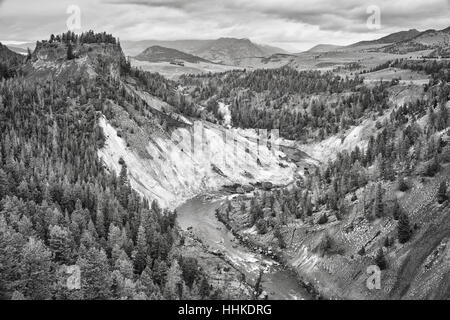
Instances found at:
x=223 y=50
x=230 y=51
x=162 y=54
x=391 y=38
x=320 y=48
x=428 y=40
x=386 y=40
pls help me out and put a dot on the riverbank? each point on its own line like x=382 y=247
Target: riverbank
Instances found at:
x=198 y=217
x=275 y=254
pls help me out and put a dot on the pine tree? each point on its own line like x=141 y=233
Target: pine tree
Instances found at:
x=140 y=259
x=396 y=210
x=35 y=270
x=96 y=278
x=378 y=205
x=115 y=237
x=380 y=260
x=174 y=286
x=29 y=55
x=124 y=265
x=100 y=219
x=3 y=184
x=388 y=242
x=279 y=236
x=442 y=193
x=402 y=185
x=149 y=287
x=403 y=228
x=442 y=117
x=190 y=269
x=70 y=54
x=362 y=251
x=124 y=186
x=61 y=244
x=160 y=270
x=205 y=288
x=389 y=173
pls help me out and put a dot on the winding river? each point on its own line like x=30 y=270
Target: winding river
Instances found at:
x=198 y=216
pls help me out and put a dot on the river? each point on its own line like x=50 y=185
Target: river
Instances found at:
x=198 y=215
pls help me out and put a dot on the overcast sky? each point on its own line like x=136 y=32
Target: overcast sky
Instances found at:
x=294 y=25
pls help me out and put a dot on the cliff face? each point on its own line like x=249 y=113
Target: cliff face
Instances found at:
x=191 y=160
x=89 y=60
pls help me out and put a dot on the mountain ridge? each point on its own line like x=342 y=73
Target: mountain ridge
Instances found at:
x=430 y=39
x=224 y=50
x=163 y=54
x=390 y=38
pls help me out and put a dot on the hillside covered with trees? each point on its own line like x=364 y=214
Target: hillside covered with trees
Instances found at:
x=60 y=206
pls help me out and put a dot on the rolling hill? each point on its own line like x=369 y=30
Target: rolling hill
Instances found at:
x=230 y=50
x=162 y=54
x=391 y=38
x=430 y=39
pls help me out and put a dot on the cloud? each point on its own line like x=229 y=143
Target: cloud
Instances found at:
x=152 y=3
x=291 y=23
x=349 y=15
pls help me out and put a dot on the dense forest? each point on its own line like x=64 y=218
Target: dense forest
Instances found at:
x=400 y=149
x=59 y=205
x=284 y=99
x=84 y=38
x=438 y=69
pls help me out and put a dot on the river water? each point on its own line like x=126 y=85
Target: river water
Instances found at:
x=198 y=215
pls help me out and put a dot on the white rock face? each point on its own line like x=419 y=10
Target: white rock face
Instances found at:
x=328 y=149
x=225 y=112
x=197 y=160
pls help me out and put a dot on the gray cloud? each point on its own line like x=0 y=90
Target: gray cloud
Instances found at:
x=152 y=3
x=296 y=23
x=349 y=15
